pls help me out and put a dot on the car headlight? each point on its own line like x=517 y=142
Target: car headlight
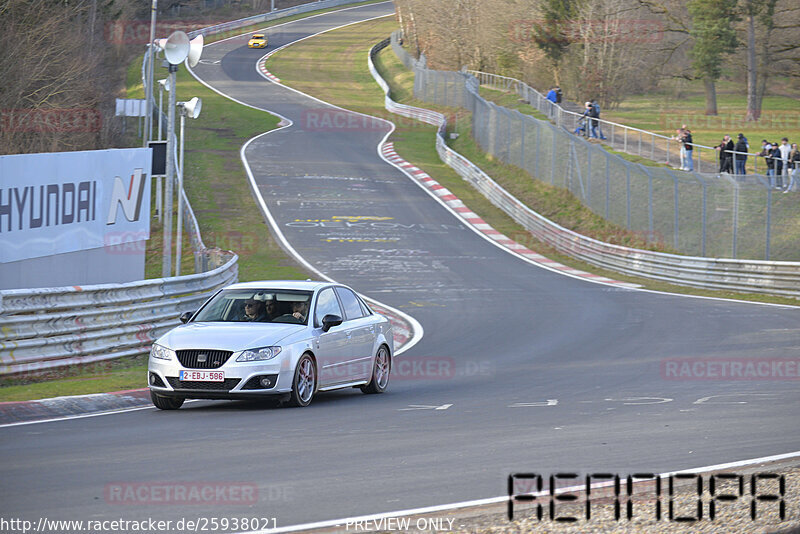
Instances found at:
x=162 y=353
x=255 y=355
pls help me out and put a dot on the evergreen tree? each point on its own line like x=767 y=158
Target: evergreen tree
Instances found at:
x=553 y=34
x=714 y=36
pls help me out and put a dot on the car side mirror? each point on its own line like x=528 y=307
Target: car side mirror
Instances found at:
x=330 y=321
x=185 y=316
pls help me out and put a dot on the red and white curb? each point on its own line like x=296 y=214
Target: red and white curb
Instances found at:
x=452 y=201
x=262 y=68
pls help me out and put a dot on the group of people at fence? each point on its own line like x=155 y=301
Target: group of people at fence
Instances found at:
x=782 y=160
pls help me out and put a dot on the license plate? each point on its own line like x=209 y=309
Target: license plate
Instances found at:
x=203 y=376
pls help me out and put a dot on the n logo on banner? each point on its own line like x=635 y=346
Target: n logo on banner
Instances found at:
x=127 y=195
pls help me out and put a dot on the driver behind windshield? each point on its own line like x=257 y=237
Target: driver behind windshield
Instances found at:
x=254 y=310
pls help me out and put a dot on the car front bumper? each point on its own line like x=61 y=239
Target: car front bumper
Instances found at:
x=242 y=379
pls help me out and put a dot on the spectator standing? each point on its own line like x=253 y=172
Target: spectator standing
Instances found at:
x=778 y=164
x=679 y=134
x=725 y=155
x=559 y=95
x=740 y=159
x=552 y=97
x=688 y=148
x=596 y=107
x=766 y=153
x=785 y=149
x=794 y=165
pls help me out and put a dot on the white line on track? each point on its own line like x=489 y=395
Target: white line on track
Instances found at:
x=416 y=327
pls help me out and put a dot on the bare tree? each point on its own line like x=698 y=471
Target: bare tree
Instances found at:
x=772 y=45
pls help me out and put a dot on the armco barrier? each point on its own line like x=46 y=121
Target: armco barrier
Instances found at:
x=769 y=277
x=46 y=328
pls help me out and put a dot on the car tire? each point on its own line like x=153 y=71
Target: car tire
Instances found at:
x=381 y=368
x=304 y=384
x=166 y=403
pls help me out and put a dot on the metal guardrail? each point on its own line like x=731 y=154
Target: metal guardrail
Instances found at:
x=46 y=328
x=769 y=277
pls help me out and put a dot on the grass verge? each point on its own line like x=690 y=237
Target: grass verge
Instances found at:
x=680 y=102
x=309 y=67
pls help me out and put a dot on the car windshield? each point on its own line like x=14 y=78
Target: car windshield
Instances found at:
x=258 y=36
x=257 y=305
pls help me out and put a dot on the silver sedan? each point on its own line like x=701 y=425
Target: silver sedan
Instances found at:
x=285 y=338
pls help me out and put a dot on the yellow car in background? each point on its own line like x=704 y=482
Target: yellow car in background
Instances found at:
x=258 y=40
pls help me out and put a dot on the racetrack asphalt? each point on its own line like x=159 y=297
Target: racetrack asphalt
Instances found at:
x=530 y=370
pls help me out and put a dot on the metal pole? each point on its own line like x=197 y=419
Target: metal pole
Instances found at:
x=160 y=107
x=149 y=81
x=628 y=193
x=769 y=222
x=677 y=211
x=608 y=181
x=735 y=218
x=166 y=260
x=703 y=241
x=179 y=229
x=159 y=197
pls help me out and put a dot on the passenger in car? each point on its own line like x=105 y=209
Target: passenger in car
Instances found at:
x=271 y=310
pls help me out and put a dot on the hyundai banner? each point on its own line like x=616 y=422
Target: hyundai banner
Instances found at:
x=62 y=202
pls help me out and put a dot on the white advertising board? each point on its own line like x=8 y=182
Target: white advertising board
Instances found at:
x=62 y=202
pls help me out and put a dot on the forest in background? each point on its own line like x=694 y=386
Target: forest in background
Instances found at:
x=608 y=49
x=63 y=64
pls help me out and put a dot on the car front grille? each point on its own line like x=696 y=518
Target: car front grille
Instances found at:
x=203 y=359
x=227 y=385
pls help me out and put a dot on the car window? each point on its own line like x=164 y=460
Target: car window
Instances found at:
x=265 y=305
x=364 y=308
x=327 y=304
x=352 y=308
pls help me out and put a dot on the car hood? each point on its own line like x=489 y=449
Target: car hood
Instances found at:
x=227 y=336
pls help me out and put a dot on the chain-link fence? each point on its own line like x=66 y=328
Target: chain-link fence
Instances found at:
x=725 y=216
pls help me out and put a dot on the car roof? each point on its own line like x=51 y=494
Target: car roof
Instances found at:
x=258 y=36
x=306 y=285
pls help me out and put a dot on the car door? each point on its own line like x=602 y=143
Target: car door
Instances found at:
x=330 y=347
x=360 y=335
